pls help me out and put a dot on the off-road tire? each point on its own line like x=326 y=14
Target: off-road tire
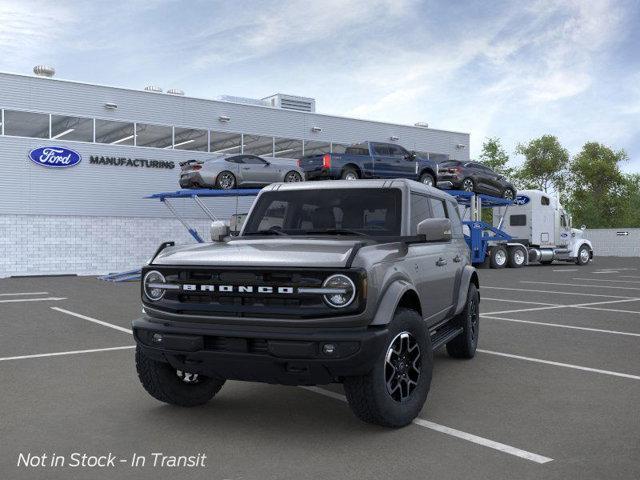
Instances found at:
x=465 y=344
x=499 y=257
x=513 y=260
x=425 y=177
x=161 y=381
x=579 y=260
x=348 y=172
x=367 y=394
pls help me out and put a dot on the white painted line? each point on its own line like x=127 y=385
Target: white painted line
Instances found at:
x=560 y=364
x=559 y=325
x=45 y=299
x=527 y=309
x=566 y=269
x=581 y=285
x=72 y=352
x=23 y=293
x=94 y=320
x=604 y=280
x=628 y=276
x=529 y=290
x=577 y=305
x=616 y=310
x=518 y=301
x=485 y=442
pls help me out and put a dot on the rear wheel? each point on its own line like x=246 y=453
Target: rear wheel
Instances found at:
x=292 y=177
x=468 y=185
x=498 y=257
x=225 y=180
x=427 y=179
x=517 y=257
x=394 y=391
x=584 y=255
x=508 y=194
x=349 y=174
x=165 y=383
x=465 y=344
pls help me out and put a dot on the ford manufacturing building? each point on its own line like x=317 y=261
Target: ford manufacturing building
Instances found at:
x=92 y=218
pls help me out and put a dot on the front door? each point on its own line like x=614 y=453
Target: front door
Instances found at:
x=403 y=164
x=382 y=161
x=257 y=171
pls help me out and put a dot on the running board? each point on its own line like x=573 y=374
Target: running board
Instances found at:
x=444 y=335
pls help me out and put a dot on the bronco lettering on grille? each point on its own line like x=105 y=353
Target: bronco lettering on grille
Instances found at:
x=236 y=288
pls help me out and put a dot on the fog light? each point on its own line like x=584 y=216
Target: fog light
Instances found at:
x=328 y=348
x=157 y=338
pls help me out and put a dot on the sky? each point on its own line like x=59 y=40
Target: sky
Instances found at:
x=514 y=70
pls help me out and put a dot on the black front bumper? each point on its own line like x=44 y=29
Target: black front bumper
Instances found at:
x=265 y=354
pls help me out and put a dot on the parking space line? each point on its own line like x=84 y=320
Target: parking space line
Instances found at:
x=536 y=309
x=529 y=290
x=23 y=293
x=579 y=285
x=577 y=305
x=485 y=442
x=71 y=352
x=560 y=364
x=566 y=269
x=559 y=325
x=518 y=301
x=45 y=299
x=604 y=280
x=94 y=320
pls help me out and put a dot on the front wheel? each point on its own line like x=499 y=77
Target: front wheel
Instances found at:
x=468 y=185
x=427 y=179
x=165 y=383
x=292 y=177
x=508 y=194
x=584 y=255
x=394 y=391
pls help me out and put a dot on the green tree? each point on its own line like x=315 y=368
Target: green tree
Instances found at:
x=630 y=217
x=599 y=192
x=545 y=164
x=495 y=157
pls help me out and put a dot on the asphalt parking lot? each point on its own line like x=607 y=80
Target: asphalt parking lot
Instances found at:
x=552 y=393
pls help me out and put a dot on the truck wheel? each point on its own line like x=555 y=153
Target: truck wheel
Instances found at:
x=498 y=257
x=465 y=344
x=394 y=391
x=583 y=255
x=517 y=257
x=169 y=385
x=427 y=179
x=349 y=174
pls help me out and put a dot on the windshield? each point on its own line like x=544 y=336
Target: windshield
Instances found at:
x=353 y=211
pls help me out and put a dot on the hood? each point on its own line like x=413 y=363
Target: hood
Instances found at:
x=281 y=252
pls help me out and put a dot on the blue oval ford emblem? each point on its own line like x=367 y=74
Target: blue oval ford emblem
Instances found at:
x=521 y=200
x=56 y=157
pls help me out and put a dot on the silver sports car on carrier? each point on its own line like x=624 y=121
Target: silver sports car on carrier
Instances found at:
x=234 y=171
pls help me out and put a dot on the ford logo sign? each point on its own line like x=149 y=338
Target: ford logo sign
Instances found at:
x=521 y=200
x=55 y=157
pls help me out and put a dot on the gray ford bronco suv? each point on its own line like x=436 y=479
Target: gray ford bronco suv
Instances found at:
x=342 y=281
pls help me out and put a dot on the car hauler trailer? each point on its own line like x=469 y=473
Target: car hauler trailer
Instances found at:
x=538 y=221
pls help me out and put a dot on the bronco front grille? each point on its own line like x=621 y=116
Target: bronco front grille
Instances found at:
x=267 y=303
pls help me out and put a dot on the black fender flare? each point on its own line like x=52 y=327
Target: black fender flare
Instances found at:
x=469 y=275
x=390 y=300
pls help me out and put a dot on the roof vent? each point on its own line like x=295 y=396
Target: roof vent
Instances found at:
x=153 y=88
x=175 y=91
x=243 y=100
x=44 y=71
x=422 y=124
x=292 y=102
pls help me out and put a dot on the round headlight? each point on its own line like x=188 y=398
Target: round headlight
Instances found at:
x=344 y=291
x=150 y=282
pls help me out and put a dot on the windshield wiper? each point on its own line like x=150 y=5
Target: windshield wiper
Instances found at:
x=336 y=231
x=267 y=232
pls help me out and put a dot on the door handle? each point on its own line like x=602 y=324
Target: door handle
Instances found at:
x=246 y=168
x=441 y=262
x=457 y=259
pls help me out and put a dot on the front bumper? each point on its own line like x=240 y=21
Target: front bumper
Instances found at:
x=262 y=354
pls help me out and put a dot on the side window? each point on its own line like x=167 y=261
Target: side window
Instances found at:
x=396 y=151
x=251 y=160
x=437 y=207
x=517 y=220
x=563 y=221
x=456 y=223
x=544 y=201
x=420 y=210
x=234 y=160
x=381 y=149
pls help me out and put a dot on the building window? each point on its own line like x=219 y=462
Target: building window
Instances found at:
x=72 y=128
x=114 y=133
x=191 y=139
x=26 y=124
x=316 y=148
x=257 y=145
x=287 y=148
x=338 y=147
x=157 y=136
x=224 y=142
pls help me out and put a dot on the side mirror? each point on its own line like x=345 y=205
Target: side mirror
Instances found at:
x=410 y=156
x=219 y=230
x=583 y=227
x=435 y=229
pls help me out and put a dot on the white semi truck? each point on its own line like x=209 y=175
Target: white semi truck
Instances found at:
x=539 y=224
